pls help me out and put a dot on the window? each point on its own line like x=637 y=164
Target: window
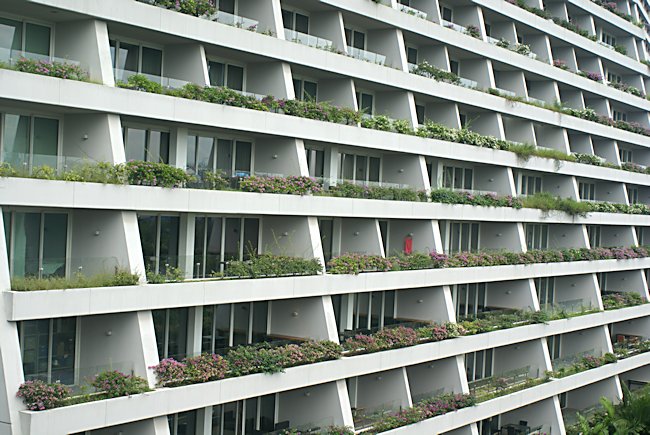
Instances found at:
x=587 y=191
x=226 y=74
x=641 y=235
x=326 y=229
x=461 y=236
x=29 y=141
x=454 y=66
x=420 y=112
x=563 y=400
x=366 y=103
x=170 y=326
x=359 y=168
x=489 y=426
x=633 y=195
x=183 y=423
x=617 y=115
x=553 y=343
x=545 y=288
x=315 y=162
x=625 y=155
x=226 y=156
x=305 y=90
x=249 y=416
x=355 y=39
x=37 y=243
x=457 y=178
x=469 y=299
x=228 y=325
x=613 y=78
x=20 y=36
x=412 y=55
x=478 y=365
x=536 y=236
x=228 y=6
x=528 y=184
x=608 y=39
x=602 y=281
x=48 y=348
x=159 y=238
x=369 y=310
x=128 y=58
x=593 y=232
x=447 y=13
x=383 y=230
x=295 y=21
x=218 y=240
x=463 y=120
x=145 y=144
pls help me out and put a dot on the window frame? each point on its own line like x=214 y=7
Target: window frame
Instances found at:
x=132 y=41
x=148 y=128
x=234 y=139
x=24 y=22
x=227 y=63
x=42 y=212
x=32 y=116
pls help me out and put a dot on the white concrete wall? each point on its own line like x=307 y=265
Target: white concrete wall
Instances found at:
x=304 y=318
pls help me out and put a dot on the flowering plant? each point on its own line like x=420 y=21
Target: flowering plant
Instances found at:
x=50 y=68
x=39 y=395
x=293 y=185
x=115 y=384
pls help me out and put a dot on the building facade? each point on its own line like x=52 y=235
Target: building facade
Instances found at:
x=487 y=99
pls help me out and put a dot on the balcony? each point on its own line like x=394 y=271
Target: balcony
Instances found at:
x=453 y=26
x=309 y=40
x=411 y=11
x=501 y=384
x=234 y=21
x=367 y=56
x=467 y=83
x=123 y=76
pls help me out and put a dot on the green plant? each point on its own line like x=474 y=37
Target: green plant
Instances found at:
x=39 y=396
x=115 y=384
x=172 y=274
x=62 y=70
x=215 y=180
x=78 y=280
x=271 y=265
x=139 y=82
x=156 y=174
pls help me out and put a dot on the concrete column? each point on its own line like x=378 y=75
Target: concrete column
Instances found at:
x=329 y=25
x=186 y=62
x=86 y=41
x=270 y=78
x=93 y=137
x=11 y=369
x=267 y=12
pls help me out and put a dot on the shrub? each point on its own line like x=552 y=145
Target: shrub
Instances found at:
x=115 y=384
x=190 y=7
x=215 y=180
x=78 y=280
x=156 y=174
x=424 y=410
x=271 y=265
x=39 y=396
x=612 y=301
x=49 y=68
x=447 y=196
x=545 y=202
x=425 y=69
x=139 y=82
x=170 y=372
x=205 y=368
x=292 y=185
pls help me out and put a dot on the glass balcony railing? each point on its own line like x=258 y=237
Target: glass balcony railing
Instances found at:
x=417 y=398
x=235 y=21
x=569 y=360
x=61 y=267
x=472 y=191
x=309 y=40
x=569 y=306
x=25 y=163
x=467 y=83
x=311 y=428
x=122 y=75
x=506 y=92
x=536 y=101
x=493 y=384
x=454 y=26
x=411 y=11
x=10 y=57
x=367 y=56
x=365 y=417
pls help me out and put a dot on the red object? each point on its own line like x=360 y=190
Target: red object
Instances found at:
x=408 y=245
